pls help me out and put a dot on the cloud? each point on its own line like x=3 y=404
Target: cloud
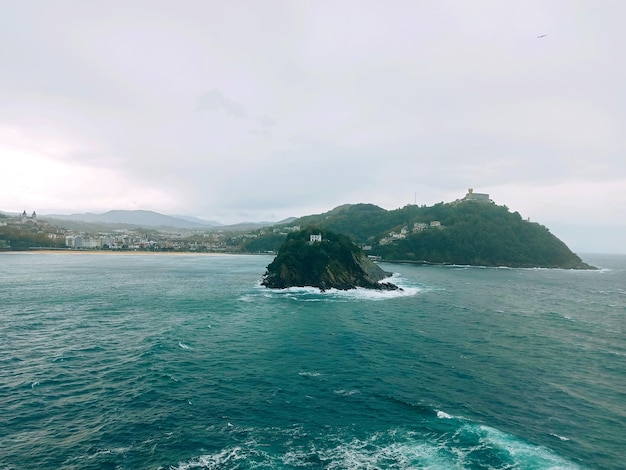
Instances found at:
x=260 y=132
x=266 y=121
x=291 y=107
x=45 y=184
x=214 y=100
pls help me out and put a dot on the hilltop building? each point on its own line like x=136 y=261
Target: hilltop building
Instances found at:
x=22 y=219
x=478 y=197
x=25 y=218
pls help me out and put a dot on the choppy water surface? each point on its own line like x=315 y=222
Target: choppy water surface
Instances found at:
x=185 y=362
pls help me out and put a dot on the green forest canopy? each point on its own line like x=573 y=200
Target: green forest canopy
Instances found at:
x=474 y=233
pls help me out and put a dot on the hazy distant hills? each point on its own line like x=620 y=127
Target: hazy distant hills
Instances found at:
x=138 y=218
x=151 y=219
x=196 y=220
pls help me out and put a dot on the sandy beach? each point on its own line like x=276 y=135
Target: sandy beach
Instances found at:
x=47 y=251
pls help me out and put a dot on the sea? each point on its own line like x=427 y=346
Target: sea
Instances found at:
x=179 y=362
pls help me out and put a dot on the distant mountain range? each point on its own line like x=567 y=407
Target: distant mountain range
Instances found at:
x=151 y=219
x=140 y=218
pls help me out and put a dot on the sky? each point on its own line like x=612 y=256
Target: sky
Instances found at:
x=257 y=111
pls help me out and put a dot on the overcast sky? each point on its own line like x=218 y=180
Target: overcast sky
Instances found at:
x=247 y=111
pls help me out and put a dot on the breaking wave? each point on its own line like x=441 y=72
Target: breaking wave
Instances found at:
x=464 y=445
x=314 y=294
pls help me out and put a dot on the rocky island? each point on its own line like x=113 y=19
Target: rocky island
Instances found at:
x=326 y=260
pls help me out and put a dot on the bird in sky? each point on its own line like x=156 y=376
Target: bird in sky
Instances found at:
x=542 y=36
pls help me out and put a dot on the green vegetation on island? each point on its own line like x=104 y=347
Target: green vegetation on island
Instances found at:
x=323 y=259
x=462 y=232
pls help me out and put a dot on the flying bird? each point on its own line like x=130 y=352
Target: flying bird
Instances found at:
x=542 y=36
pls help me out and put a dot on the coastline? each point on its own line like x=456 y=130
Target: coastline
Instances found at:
x=49 y=251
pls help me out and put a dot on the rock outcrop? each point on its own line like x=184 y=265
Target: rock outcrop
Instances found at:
x=325 y=260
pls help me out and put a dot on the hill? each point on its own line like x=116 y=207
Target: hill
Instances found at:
x=131 y=219
x=461 y=232
x=135 y=218
x=12 y=238
x=332 y=261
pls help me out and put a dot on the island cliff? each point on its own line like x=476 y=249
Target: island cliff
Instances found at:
x=323 y=259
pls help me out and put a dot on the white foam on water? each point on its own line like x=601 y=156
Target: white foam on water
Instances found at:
x=523 y=453
x=443 y=415
x=227 y=457
x=309 y=374
x=561 y=316
x=397 y=448
x=563 y=438
x=379 y=450
x=98 y=453
x=361 y=293
x=314 y=294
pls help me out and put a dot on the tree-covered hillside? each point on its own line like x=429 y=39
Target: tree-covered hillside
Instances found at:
x=462 y=232
x=483 y=234
x=17 y=239
x=332 y=262
x=358 y=221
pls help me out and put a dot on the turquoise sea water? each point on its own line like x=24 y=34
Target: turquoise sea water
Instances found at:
x=185 y=362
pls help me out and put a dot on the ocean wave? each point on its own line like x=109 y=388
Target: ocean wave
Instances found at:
x=314 y=294
x=309 y=374
x=469 y=445
x=226 y=458
x=346 y=393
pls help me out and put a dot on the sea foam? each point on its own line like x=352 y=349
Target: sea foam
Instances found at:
x=398 y=448
x=314 y=294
